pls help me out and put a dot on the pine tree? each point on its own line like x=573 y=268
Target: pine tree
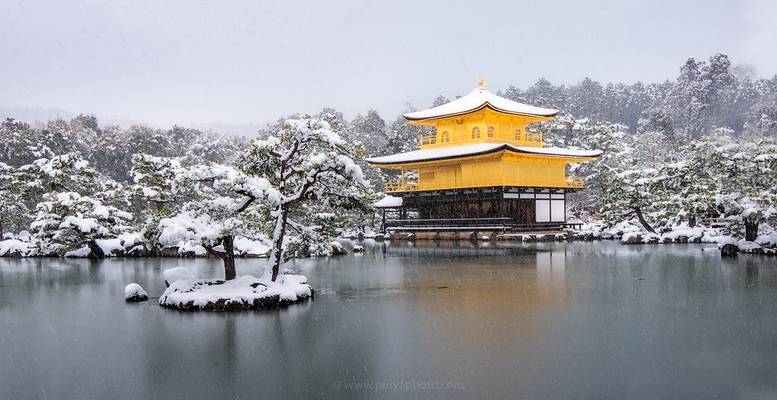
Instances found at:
x=68 y=221
x=304 y=160
x=687 y=99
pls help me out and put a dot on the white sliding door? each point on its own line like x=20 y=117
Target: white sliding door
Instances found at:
x=557 y=210
x=542 y=211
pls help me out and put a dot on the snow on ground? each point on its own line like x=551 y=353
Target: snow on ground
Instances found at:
x=768 y=240
x=79 y=253
x=171 y=275
x=134 y=292
x=242 y=293
x=16 y=248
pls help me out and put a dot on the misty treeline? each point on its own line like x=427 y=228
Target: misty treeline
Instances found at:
x=677 y=152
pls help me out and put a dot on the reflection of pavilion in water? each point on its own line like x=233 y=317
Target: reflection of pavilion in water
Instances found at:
x=450 y=248
x=545 y=261
x=510 y=300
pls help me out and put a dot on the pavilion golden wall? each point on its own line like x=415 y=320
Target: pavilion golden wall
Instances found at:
x=459 y=130
x=506 y=169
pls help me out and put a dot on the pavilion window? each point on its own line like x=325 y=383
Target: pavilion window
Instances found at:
x=490 y=131
x=518 y=134
x=529 y=136
x=476 y=133
x=445 y=138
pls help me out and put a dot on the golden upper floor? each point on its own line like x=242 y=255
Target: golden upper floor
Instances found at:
x=480 y=117
x=484 y=126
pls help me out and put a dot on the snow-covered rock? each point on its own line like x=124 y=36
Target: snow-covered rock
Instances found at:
x=728 y=243
x=172 y=275
x=632 y=238
x=15 y=248
x=337 y=248
x=729 y=250
x=83 y=252
x=134 y=292
x=242 y=293
x=358 y=249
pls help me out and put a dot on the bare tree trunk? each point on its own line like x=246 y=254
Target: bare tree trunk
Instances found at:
x=643 y=221
x=278 y=235
x=229 y=257
x=751 y=228
x=692 y=221
x=95 y=251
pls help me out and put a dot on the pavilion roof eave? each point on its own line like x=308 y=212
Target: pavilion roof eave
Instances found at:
x=479 y=99
x=415 y=158
x=421 y=120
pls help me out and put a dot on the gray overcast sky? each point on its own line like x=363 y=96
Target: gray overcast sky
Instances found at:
x=185 y=62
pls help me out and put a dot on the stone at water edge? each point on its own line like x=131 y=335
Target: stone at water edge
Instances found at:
x=358 y=249
x=633 y=239
x=729 y=250
x=134 y=293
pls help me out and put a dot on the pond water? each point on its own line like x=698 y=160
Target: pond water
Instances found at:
x=544 y=321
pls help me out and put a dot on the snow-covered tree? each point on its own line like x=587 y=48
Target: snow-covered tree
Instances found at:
x=628 y=196
x=60 y=173
x=762 y=116
x=304 y=161
x=440 y=100
x=68 y=221
x=718 y=91
x=225 y=204
x=369 y=132
x=13 y=210
x=18 y=143
x=687 y=98
x=587 y=99
x=402 y=136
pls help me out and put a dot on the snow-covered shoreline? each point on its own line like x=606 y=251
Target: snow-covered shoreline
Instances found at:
x=630 y=233
x=131 y=245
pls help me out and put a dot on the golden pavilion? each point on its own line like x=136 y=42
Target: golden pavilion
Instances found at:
x=481 y=165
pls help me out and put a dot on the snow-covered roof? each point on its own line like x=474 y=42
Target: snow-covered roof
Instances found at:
x=388 y=202
x=477 y=149
x=476 y=100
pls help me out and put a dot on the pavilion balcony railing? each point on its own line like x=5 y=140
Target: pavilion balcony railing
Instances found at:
x=527 y=139
x=575 y=182
x=407 y=186
x=441 y=184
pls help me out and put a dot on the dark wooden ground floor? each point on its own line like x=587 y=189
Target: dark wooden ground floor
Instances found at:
x=500 y=208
